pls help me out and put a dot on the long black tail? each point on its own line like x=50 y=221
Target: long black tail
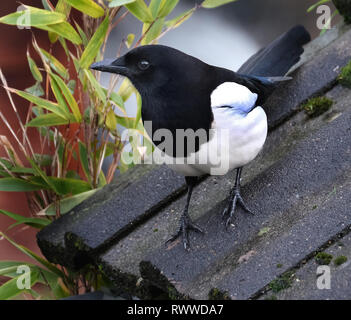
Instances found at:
x=278 y=57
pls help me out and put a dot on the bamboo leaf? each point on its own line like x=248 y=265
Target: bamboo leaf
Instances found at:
x=209 y=4
x=111 y=122
x=138 y=115
x=10 y=289
x=66 y=186
x=118 y=3
x=33 y=17
x=18 y=185
x=59 y=96
x=49 y=120
x=69 y=203
x=54 y=63
x=88 y=7
x=34 y=69
x=42 y=103
x=82 y=34
x=36 y=90
x=83 y=156
x=69 y=97
x=140 y=10
x=65 y=30
x=155 y=6
x=96 y=85
x=316 y=5
x=125 y=90
x=167 y=7
x=34 y=256
x=176 y=22
x=130 y=39
x=93 y=48
x=38 y=223
x=153 y=32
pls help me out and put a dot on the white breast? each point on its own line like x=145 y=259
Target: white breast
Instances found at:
x=237 y=135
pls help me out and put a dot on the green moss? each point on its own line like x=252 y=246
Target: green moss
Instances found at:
x=263 y=231
x=216 y=294
x=323 y=258
x=317 y=106
x=340 y=260
x=344 y=77
x=281 y=283
x=272 y=297
x=279 y=265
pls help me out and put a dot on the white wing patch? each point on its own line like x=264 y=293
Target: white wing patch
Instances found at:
x=233 y=95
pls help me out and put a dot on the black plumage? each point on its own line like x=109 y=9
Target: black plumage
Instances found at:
x=176 y=93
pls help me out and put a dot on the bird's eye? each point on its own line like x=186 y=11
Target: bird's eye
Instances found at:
x=143 y=64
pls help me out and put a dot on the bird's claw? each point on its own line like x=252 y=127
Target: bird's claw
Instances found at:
x=185 y=226
x=233 y=201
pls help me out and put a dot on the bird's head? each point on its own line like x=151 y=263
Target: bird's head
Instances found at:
x=152 y=66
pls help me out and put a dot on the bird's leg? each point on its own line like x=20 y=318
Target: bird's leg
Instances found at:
x=235 y=198
x=185 y=222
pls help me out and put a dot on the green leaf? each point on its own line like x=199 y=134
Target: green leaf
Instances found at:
x=10 y=289
x=72 y=85
x=176 y=22
x=130 y=39
x=33 y=17
x=36 y=90
x=54 y=63
x=153 y=32
x=18 y=185
x=63 y=7
x=68 y=204
x=167 y=7
x=43 y=160
x=111 y=122
x=209 y=4
x=155 y=7
x=88 y=7
x=140 y=10
x=66 y=186
x=316 y=5
x=9 y=269
x=102 y=179
x=34 y=256
x=83 y=156
x=34 y=69
x=93 y=48
x=49 y=120
x=125 y=90
x=22 y=170
x=42 y=103
x=82 y=34
x=59 y=96
x=69 y=97
x=65 y=30
x=118 y=3
x=46 y=5
x=38 y=223
x=138 y=115
x=41 y=174
x=96 y=85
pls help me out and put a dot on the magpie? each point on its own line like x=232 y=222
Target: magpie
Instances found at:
x=181 y=92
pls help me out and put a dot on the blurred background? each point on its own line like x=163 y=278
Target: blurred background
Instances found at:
x=225 y=36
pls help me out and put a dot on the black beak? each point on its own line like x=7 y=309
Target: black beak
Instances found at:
x=113 y=66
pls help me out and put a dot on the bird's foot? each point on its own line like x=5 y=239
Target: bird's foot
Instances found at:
x=235 y=198
x=185 y=226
